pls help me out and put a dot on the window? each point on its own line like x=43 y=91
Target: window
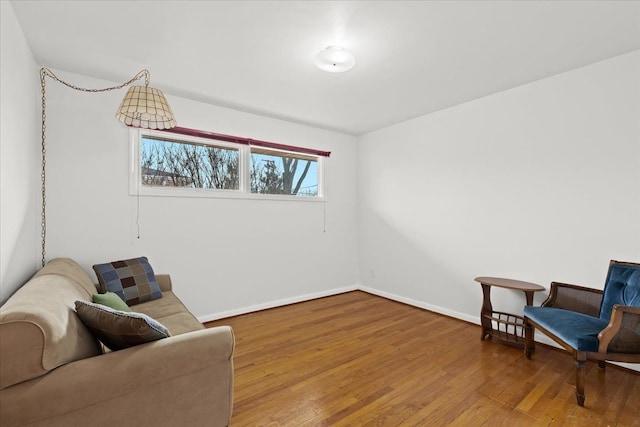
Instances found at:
x=185 y=164
x=277 y=173
x=168 y=163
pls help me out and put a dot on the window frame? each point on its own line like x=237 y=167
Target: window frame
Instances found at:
x=136 y=188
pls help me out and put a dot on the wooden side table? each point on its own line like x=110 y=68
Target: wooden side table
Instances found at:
x=505 y=328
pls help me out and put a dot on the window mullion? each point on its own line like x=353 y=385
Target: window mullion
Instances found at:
x=245 y=169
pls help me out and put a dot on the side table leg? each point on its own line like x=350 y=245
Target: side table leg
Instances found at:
x=529 y=330
x=529 y=296
x=486 y=311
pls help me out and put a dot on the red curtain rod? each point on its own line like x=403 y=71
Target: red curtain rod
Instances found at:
x=246 y=141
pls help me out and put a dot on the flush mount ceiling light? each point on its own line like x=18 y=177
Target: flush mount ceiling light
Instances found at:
x=335 y=59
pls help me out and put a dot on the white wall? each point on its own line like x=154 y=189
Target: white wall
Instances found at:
x=19 y=157
x=537 y=183
x=224 y=255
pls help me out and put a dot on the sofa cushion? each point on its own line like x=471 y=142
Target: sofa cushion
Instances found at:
x=119 y=329
x=39 y=328
x=132 y=279
x=621 y=287
x=578 y=330
x=111 y=300
x=172 y=313
x=72 y=271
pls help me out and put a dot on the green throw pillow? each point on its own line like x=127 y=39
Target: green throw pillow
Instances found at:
x=112 y=300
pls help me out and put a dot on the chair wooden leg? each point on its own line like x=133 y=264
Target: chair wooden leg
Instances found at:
x=581 y=358
x=529 y=343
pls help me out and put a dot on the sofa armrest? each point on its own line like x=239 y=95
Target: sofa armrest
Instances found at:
x=164 y=281
x=574 y=298
x=622 y=335
x=150 y=384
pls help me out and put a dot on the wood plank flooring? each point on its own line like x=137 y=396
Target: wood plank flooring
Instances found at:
x=356 y=359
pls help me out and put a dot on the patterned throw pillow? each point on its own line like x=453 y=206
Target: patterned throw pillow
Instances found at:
x=132 y=279
x=119 y=329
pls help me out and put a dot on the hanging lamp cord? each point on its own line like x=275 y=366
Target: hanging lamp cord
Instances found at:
x=45 y=72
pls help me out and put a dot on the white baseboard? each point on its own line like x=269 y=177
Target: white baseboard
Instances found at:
x=423 y=305
x=337 y=291
x=274 y=304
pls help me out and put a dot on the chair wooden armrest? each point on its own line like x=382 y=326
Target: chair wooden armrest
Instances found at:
x=622 y=335
x=574 y=298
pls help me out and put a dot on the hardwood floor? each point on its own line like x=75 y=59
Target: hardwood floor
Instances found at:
x=360 y=360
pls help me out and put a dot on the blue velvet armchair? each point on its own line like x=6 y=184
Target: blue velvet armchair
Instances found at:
x=590 y=323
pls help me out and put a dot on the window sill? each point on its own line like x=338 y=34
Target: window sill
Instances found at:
x=218 y=194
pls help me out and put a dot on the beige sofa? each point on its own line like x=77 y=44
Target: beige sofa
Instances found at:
x=53 y=372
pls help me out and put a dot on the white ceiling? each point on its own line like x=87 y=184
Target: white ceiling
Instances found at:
x=413 y=57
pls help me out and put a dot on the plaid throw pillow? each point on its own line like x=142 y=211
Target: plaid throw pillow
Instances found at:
x=119 y=329
x=132 y=280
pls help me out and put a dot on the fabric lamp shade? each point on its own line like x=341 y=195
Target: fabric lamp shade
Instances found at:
x=146 y=107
